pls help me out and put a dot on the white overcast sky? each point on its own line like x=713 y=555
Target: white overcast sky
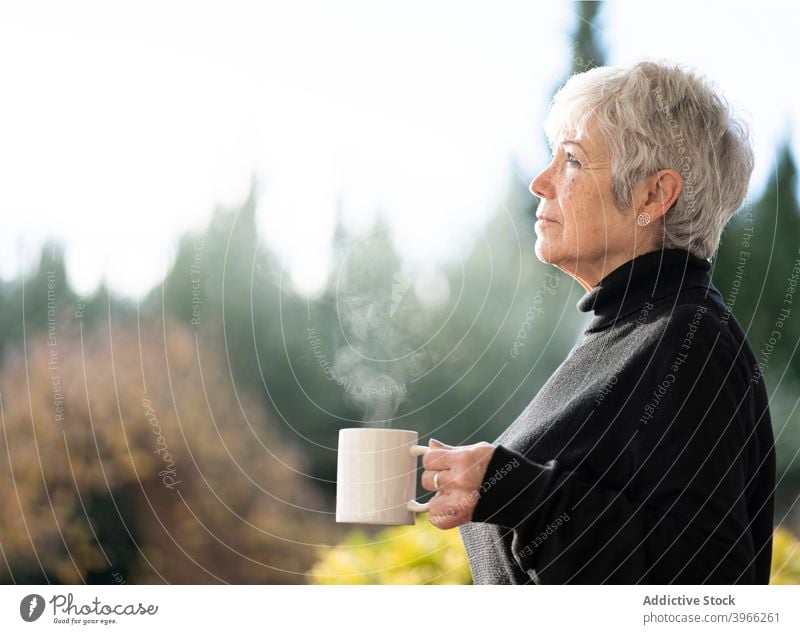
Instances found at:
x=122 y=128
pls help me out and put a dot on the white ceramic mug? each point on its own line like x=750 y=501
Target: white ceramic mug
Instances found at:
x=376 y=476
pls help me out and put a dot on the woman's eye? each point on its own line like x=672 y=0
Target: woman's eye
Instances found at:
x=572 y=160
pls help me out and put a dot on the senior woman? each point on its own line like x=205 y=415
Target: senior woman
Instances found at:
x=647 y=457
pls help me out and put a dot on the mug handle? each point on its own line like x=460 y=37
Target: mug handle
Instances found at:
x=413 y=505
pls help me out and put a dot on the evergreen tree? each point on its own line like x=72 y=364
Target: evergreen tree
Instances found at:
x=753 y=269
x=587 y=53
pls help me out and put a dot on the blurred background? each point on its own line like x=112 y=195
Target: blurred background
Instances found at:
x=229 y=233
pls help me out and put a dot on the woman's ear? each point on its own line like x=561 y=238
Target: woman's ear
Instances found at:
x=661 y=191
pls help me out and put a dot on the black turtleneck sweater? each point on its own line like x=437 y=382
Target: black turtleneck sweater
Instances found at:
x=648 y=455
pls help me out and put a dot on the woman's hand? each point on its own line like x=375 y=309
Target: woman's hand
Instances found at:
x=461 y=471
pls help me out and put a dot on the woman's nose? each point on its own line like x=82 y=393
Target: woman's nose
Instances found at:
x=542 y=186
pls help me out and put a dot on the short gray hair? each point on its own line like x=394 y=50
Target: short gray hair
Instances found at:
x=658 y=116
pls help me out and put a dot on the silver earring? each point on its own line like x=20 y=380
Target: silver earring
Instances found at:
x=643 y=219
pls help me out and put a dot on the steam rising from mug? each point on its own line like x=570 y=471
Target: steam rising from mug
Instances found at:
x=379 y=362
x=386 y=318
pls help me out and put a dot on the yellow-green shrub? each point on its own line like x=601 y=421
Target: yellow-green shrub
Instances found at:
x=397 y=555
x=424 y=554
x=785 y=558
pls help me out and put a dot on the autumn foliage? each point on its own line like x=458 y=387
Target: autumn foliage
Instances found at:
x=129 y=455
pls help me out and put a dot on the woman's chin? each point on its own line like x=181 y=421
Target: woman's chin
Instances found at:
x=545 y=252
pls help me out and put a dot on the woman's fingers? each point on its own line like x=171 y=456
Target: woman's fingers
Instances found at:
x=445 y=521
x=428 y=479
x=460 y=473
x=449 y=510
x=438 y=444
x=438 y=459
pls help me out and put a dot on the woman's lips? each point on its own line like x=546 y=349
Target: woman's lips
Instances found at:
x=546 y=220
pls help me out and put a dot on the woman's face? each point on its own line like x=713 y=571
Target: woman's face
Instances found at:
x=578 y=228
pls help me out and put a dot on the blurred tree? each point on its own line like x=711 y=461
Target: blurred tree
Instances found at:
x=27 y=300
x=759 y=249
x=224 y=282
x=587 y=53
x=752 y=270
x=133 y=458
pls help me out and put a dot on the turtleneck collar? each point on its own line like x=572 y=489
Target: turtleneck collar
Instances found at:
x=645 y=278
